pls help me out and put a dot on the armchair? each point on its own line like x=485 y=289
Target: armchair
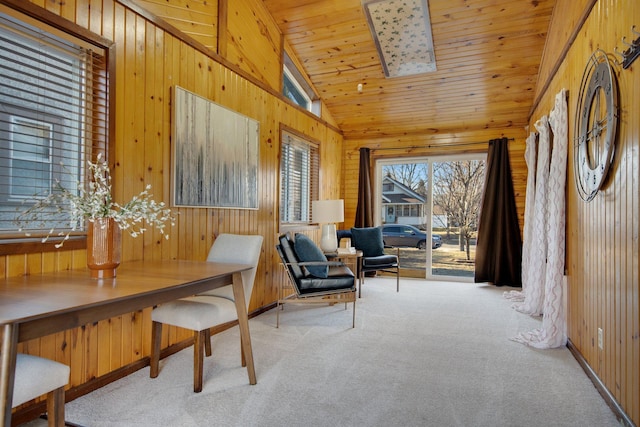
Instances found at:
x=314 y=279
x=369 y=241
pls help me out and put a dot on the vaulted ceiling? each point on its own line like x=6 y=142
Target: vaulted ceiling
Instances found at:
x=487 y=55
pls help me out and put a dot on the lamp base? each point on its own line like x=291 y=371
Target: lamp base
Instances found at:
x=329 y=240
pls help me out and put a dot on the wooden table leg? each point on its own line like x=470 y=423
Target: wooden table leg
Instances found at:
x=8 y=369
x=243 y=323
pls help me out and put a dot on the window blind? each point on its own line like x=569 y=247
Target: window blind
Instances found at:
x=299 y=170
x=53 y=109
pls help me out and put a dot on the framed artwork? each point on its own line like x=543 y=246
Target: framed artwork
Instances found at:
x=215 y=154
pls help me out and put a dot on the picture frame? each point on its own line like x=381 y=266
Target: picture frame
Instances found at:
x=215 y=154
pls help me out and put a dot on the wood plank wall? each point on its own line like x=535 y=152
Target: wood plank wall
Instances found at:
x=602 y=235
x=197 y=19
x=150 y=61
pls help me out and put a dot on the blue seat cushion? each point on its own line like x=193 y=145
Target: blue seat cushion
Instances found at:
x=308 y=251
x=338 y=278
x=368 y=240
x=379 y=262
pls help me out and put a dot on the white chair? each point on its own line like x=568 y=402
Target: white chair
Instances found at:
x=202 y=312
x=35 y=377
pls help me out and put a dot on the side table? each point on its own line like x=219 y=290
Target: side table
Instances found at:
x=351 y=260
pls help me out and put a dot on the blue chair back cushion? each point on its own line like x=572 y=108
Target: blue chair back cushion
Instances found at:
x=368 y=240
x=308 y=251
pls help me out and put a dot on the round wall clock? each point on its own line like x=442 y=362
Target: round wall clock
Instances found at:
x=595 y=125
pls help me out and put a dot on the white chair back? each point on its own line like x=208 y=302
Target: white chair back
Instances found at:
x=237 y=249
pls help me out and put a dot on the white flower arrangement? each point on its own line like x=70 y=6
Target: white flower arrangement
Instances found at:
x=96 y=202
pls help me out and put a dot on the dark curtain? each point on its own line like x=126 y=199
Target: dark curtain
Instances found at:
x=364 y=209
x=499 y=245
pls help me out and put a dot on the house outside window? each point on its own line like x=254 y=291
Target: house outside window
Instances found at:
x=401 y=205
x=53 y=117
x=299 y=172
x=30 y=145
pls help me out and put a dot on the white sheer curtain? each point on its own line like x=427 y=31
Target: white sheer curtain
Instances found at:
x=536 y=247
x=550 y=289
x=530 y=160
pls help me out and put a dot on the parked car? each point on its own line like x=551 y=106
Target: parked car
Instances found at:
x=408 y=236
x=436 y=241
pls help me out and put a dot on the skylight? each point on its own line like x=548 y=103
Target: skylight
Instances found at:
x=401 y=30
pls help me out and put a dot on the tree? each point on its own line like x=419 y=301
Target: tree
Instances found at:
x=412 y=175
x=457 y=190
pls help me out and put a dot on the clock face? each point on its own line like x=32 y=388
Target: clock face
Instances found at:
x=596 y=123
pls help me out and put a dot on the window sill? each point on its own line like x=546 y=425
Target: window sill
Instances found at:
x=292 y=228
x=35 y=245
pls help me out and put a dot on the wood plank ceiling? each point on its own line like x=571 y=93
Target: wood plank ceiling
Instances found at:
x=487 y=54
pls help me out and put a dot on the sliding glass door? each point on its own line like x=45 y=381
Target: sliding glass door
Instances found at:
x=403 y=211
x=428 y=208
x=457 y=188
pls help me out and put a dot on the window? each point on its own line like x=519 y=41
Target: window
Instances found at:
x=298 y=179
x=53 y=114
x=293 y=91
x=297 y=89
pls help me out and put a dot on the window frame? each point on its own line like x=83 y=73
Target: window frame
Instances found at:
x=17 y=243
x=287 y=75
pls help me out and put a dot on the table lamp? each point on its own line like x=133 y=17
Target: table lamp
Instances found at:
x=327 y=213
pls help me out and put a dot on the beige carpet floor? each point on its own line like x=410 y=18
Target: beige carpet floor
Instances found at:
x=434 y=354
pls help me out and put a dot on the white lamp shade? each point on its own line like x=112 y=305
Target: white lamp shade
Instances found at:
x=327 y=211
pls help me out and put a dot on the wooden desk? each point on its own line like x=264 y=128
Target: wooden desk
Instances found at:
x=42 y=304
